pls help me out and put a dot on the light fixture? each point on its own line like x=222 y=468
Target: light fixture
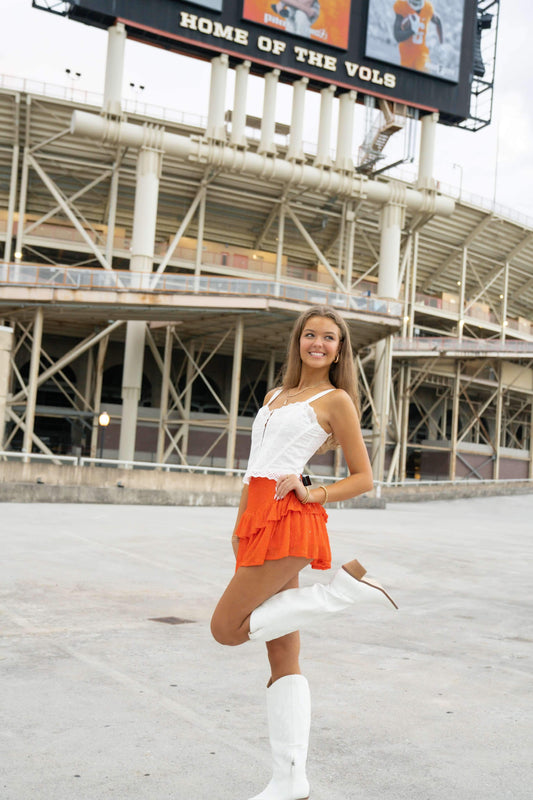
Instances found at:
x=104 y=419
x=18 y=255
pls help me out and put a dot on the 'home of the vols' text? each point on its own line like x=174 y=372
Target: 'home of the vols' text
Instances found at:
x=276 y=47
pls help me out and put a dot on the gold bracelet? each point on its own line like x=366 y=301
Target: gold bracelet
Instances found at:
x=325 y=493
x=306 y=498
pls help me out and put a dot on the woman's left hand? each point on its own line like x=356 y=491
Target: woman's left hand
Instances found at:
x=289 y=483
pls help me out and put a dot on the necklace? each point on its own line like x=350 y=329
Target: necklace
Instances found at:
x=306 y=389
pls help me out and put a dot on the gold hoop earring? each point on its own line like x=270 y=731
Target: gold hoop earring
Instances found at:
x=336 y=359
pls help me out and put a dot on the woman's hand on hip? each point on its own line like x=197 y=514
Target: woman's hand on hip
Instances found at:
x=290 y=483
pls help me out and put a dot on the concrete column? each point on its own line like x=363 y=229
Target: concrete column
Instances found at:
x=271 y=373
x=216 y=128
x=343 y=159
x=461 y=309
x=187 y=402
x=238 y=114
x=412 y=287
x=268 y=123
x=323 y=158
x=455 y=420
x=145 y=210
x=296 y=151
x=200 y=242
x=112 y=214
x=99 y=379
x=6 y=346
x=498 y=426
x=389 y=262
x=23 y=186
x=427 y=151
x=404 y=420
x=350 y=221
x=13 y=185
x=235 y=388
x=142 y=256
x=31 y=401
x=530 y=471
x=163 y=404
x=114 y=72
x=504 y=301
x=279 y=249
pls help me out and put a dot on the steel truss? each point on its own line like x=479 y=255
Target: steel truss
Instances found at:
x=71 y=202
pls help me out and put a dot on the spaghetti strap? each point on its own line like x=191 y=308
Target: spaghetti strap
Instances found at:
x=320 y=394
x=276 y=394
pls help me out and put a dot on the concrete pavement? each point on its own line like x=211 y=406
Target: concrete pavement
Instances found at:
x=428 y=703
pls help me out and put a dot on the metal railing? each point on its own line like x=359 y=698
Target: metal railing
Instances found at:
x=83 y=461
x=44 y=276
x=442 y=344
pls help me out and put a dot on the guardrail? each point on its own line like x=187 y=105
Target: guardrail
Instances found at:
x=44 y=276
x=442 y=344
x=83 y=461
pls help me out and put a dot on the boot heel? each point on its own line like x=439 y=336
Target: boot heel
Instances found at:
x=359 y=573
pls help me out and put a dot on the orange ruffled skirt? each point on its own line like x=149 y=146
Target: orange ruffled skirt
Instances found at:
x=270 y=529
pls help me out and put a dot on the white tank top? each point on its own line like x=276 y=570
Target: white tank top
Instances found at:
x=284 y=439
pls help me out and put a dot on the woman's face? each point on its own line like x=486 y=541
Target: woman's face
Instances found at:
x=319 y=342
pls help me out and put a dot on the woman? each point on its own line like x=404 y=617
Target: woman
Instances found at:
x=281 y=528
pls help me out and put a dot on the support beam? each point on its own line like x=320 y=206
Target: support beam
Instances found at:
x=32 y=386
x=295 y=151
x=6 y=346
x=455 y=420
x=312 y=244
x=62 y=203
x=343 y=158
x=235 y=389
x=238 y=114
x=505 y=301
x=114 y=73
x=280 y=244
x=323 y=157
x=498 y=426
x=11 y=204
x=23 y=184
x=163 y=403
x=260 y=165
x=427 y=151
x=216 y=128
x=142 y=257
x=97 y=397
x=268 y=123
x=181 y=230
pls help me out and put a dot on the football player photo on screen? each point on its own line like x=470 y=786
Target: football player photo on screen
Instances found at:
x=326 y=21
x=423 y=35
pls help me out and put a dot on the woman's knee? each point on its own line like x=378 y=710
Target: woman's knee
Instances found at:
x=226 y=634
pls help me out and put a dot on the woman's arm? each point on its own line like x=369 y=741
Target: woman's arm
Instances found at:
x=346 y=429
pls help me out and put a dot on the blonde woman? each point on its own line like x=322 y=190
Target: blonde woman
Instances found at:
x=281 y=528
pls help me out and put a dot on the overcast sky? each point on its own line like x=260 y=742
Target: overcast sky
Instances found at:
x=495 y=162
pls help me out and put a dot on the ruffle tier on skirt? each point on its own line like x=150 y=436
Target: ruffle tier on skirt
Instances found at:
x=270 y=529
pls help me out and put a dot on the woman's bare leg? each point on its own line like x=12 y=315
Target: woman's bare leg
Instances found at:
x=249 y=587
x=284 y=653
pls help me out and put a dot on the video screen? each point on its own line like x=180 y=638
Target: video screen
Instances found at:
x=325 y=21
x=417 y=34
x=214 y=5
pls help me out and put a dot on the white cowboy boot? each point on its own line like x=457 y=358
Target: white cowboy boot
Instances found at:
x=293 y=609
x=289 y=720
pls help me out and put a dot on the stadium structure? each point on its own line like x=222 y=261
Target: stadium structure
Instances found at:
x=154 y=264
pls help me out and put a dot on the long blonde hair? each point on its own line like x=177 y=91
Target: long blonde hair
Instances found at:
x=342 y=374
